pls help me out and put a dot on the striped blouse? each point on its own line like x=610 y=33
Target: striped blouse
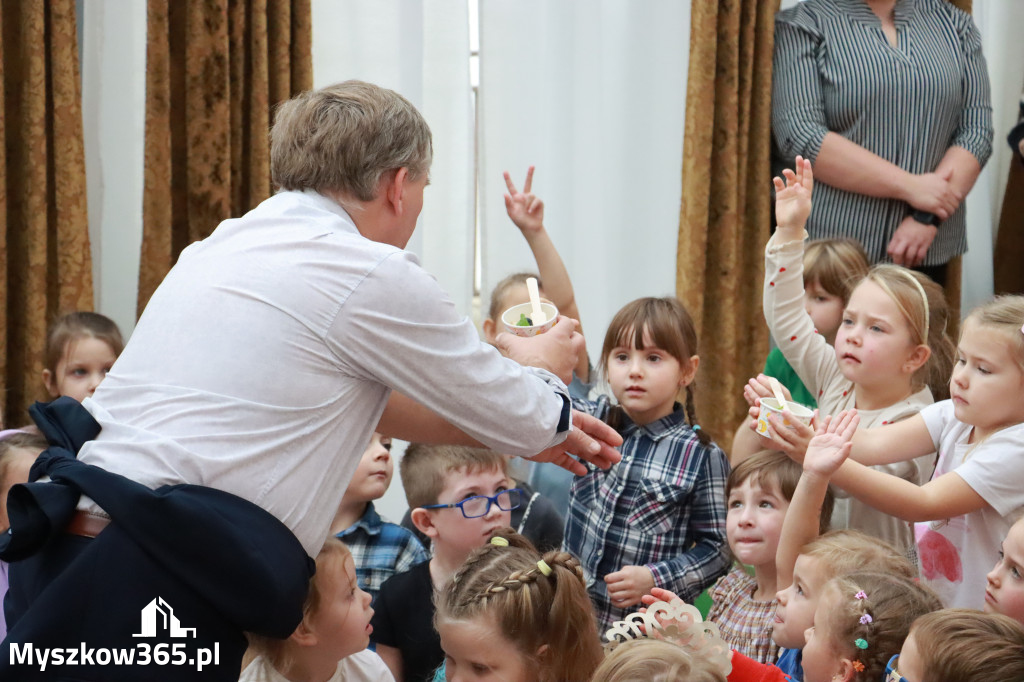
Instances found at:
x=834 y=70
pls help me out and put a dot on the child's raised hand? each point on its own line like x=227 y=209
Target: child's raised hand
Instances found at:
x=831 y=443
x=793 y=195
x=524 y=208
x=628 y=585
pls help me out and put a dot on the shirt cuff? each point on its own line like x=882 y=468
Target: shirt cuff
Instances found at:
x=565 y=418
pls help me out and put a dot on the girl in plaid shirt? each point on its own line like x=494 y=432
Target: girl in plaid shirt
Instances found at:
x=658 y=517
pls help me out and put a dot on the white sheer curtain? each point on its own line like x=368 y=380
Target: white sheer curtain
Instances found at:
x=420 y=49
x=592 y=92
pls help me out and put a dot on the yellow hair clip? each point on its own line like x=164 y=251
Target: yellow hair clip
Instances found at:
x=499 y=541
x=544 y=568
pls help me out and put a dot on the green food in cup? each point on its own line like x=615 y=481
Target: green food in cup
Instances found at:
x=524 y=321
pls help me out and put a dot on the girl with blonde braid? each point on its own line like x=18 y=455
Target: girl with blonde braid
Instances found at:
x=511 y=614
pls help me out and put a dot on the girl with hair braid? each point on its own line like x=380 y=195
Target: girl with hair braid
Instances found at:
x=511 y=614
x=656 y=519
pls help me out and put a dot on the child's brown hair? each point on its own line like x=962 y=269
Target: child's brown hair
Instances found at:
x=871 y=617
x=535 y=601
x=836 y=265
x=424 y=469
x=77 y=325
x=497 y=305
x=771 y=467
x=963 y=645
x=654 y=660
x=668 y=325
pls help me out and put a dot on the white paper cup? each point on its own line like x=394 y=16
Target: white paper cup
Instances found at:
x=511 y=317
x=796 y=411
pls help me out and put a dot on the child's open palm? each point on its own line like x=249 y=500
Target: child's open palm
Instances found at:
x=524 y=208
x=831 y=443
x=793 y=195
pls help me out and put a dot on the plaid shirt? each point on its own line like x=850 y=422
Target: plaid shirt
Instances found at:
x=380 y=549
x=662 y=507
x=745 y=624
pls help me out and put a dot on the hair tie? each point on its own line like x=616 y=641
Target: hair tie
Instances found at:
x=866 y=619
x=544 y=568
x=858 y=666
x=860 y=643
x=861 y=595
x=696 y=427
x=499 y=541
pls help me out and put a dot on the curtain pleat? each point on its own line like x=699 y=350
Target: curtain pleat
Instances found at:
x=725 y=214
x=215 y=71
x=46 y=267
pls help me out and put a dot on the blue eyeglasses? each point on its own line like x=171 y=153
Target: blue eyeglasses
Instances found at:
x=891 y=673
x=480 y=505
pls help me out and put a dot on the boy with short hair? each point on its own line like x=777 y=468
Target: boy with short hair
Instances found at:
x=380 y=548
x=330 y=642
x=758 y=493
x=458 y=496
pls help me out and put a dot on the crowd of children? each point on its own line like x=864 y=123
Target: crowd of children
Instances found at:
x=912 y=461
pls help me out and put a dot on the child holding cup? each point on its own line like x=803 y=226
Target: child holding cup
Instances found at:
x=891 y=358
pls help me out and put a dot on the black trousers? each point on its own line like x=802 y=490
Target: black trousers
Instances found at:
x=77 y=613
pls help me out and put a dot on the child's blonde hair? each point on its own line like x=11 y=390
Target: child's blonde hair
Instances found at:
x=424 y=469
x=534 y=601
x=923 y=304
x=845 y=551
x=79 y=325
x=330 y=565
x=837 y=265
x=654 y=660
x=963 y=645
x=769 y=467
x=871 y=615
x=33 y=442
x=1004 y=314
x=501 y=289
x=669 y=326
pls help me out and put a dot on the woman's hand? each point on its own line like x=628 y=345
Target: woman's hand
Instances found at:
x=932 y=192
x=910 y=242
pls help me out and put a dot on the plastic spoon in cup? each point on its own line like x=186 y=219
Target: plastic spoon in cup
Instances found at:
x=777 y=392
x=538 y=317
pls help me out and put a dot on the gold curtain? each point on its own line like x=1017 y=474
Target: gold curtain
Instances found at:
x=45 y=263
x=215 y=69
x=725 y=215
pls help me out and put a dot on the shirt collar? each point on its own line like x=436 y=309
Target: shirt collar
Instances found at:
x=657 y=429
x=859 y=11
x=370 y=522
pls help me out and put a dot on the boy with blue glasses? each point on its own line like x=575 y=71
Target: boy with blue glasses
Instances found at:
x=458 y=496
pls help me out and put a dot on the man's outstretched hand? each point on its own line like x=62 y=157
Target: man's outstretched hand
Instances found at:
x=590 y=440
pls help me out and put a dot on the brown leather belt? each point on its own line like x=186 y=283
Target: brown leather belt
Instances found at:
x=86 y=524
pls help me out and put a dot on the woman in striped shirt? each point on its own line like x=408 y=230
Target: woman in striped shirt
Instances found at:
x=890 y=100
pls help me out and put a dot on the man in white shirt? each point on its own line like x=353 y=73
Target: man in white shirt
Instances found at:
x=274 y=348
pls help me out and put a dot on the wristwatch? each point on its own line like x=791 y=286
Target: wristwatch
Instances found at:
x=925 y=218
